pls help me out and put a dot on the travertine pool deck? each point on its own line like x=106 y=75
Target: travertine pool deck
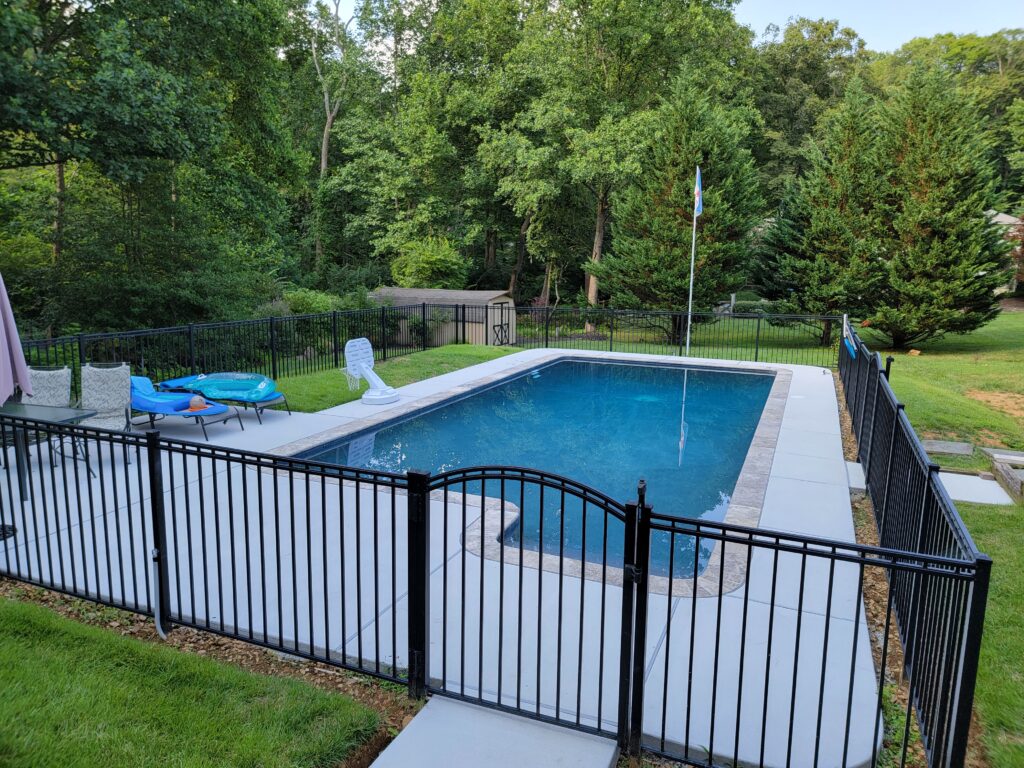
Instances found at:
x=817 y=668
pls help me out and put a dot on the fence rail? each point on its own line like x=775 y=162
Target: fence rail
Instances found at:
x=521 y=590
x=303 y=344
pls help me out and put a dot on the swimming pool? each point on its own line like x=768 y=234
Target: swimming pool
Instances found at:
x=685 y=430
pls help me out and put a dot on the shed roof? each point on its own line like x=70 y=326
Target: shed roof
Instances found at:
x=1005 y=219
x=402 y=297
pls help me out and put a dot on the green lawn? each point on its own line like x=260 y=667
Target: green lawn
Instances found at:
x=74 y=695
x=999 y=698
x=986 y=363
x=316 y=391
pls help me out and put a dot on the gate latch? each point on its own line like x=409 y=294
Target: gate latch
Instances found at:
x=633 y=573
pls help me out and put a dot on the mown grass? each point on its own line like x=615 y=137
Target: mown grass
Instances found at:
x=934 y=386
x=74 y=695
x=317 y=391
x=999 y=697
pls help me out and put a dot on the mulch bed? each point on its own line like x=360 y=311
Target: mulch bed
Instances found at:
x=390 y=701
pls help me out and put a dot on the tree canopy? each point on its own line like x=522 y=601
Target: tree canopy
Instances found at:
x=202 y=160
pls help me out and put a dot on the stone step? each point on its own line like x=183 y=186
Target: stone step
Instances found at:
x=947 y=448
x=453 y=734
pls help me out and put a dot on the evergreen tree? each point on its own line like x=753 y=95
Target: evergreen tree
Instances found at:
x=649 y=265
x=942 y=256
x=819 y=255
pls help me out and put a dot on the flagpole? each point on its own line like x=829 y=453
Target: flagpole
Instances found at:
x=693 y=253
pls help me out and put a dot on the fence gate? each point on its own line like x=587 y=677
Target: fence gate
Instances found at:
x=524 y=610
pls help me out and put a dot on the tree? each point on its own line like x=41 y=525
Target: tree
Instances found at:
x=821 y=253
x=799 y=75
x=648 y=265
x=603 y=67
x=429 y=263
x=942 y=258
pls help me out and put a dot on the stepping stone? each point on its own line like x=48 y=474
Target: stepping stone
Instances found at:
x=452 y=734
x=1006 y=456
x=855 y=476
x=973 y=489
x=947 y=448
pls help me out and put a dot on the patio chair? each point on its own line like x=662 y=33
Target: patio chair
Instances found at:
x=107 y=390
x=160 y=405
x=51 y=385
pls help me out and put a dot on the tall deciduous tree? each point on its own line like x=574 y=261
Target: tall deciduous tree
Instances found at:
x=649 y=261
x=800 y=73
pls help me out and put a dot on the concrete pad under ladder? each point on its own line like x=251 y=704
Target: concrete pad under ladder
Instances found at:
x=453 y=734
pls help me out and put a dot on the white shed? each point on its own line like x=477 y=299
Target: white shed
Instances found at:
x=477 y=317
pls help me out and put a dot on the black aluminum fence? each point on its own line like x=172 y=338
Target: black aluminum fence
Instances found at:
x=518 y=590
x=301 y=344
x=275 y=347
x=913 y=513
x=797 y=339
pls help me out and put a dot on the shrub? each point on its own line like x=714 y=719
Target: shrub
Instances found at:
x=430 y=263
x=306 y=301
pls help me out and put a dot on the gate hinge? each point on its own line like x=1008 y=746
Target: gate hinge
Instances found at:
x=633 y=573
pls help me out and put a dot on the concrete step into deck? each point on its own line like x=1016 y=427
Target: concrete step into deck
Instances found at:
x=453 y=734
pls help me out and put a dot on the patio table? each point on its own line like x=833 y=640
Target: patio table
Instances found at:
x=49 y=413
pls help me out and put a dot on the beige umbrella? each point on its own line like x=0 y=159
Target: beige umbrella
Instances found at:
x=13 y=369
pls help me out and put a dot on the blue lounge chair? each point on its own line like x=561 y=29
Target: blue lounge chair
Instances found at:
x=159 y=405
x=248 y=390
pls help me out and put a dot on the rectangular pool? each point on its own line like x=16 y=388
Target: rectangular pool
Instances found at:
x=685 y=430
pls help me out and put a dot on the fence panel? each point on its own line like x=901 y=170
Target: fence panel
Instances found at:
x=73 y=512
x=763 y=655
x=301 y=557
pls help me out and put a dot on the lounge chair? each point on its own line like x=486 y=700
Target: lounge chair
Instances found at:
x=248 y=390
x=159 y=405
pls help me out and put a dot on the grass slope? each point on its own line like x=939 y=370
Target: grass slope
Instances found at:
x=75 y=695
x=317 y=391
x=999 y=698
x=933 y=386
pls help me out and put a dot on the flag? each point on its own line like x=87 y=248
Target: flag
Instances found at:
x=698 y=196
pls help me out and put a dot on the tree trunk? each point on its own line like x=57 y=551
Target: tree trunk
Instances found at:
x=595 y=255
x=325 y=147
x=826 y=333
x=544 y=299
x=490 y=250
x=58 y=214
x=513 y=280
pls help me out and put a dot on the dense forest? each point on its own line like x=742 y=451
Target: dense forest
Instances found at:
x=165 y=163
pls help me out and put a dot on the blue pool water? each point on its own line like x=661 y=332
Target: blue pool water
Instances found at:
x=603 y=424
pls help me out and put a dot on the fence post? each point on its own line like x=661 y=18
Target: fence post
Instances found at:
x=383 y=334
x=972 y=651
x=161 y=577
x=626 y=636
x=192 y=347
x=423 y=319
x=418 y=580
x=757 y=339
x=547 y=326
x=681 y=334
x=643 y=548
x=611 y=331
x=888 y=366
x=463 y=323
x=334 y=335
x=273 y=349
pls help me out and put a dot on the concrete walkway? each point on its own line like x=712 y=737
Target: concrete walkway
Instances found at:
x=450 y=734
